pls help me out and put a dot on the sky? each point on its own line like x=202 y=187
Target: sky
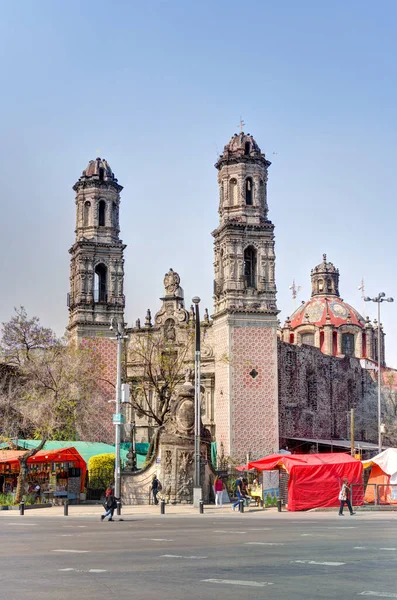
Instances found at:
x=158 y=88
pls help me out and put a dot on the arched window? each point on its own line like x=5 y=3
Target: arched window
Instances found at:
x=250 y=267
x=247 y=148
x=86 y=214
x=320 y=285
x=101 y=174
x=233 y=189
x=249 y=191
x=101 y=213
x=221 y=192
x=100 y=283
x=348 y=344
x=308 y=339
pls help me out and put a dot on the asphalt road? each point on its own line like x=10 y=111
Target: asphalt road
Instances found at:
x=227 y=556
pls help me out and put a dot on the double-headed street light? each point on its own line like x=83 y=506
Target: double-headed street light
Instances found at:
x=379 y=299
x=197 y=492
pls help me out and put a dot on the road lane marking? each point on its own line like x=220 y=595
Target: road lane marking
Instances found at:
x=72 y=551
x=228 y=531
x=260 y=529
x=343 y=527
x=84 y=570
x=368 y=548
x=238 y=582
x=309 y=534
x=315 y=562
x=24 y=524
x=157 y=539
x=179 y=556
x=264 y=544
x=379 y=594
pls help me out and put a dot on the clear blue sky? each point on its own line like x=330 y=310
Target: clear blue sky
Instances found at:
x=157 y=88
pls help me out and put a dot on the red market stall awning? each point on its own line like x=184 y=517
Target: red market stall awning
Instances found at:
x=61 y=455
x=314 y=479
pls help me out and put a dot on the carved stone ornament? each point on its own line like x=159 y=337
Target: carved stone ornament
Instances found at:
x=171 y=283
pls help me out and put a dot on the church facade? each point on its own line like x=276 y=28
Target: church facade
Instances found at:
x=263 y=386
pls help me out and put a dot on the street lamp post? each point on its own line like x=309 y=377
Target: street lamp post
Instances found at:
x=117 y=417
x=379 y=299
x=197 y=491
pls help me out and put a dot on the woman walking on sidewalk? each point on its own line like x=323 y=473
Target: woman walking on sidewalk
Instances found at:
x=344 y=497
x=110 y=503
x=218 y=487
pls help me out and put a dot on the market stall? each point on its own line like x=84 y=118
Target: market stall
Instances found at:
x=314 y=479
x=381 y=486
x=59 y=473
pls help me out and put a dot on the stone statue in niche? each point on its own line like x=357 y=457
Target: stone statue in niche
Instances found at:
x=171 y=282
x=169 y=330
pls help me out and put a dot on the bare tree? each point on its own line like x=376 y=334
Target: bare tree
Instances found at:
x=51 y=390
x=158 y=366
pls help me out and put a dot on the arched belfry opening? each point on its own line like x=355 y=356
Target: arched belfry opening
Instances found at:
x=100 y=283
x=249 y=188
x=86 y=214
x=233 y=190
x=101 y=213
x=250 y=267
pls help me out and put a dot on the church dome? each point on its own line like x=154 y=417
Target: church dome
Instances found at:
x=322 y=310
x=99 y=168
x=242 y=146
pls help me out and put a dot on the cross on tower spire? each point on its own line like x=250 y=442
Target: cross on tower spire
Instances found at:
x=241 y=124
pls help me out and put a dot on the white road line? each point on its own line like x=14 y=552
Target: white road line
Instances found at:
x=84 y=571
x=179 y=556
x=343 y=527
x=368 y=548
x=157 y=539
x=74 y=526
x=309 y=534
x=264 y=544
x=379 y=594
x=394 y=549
x=360 y=548
x=260 y=529
x=24 y=524
x=72 y=551
x=238 y=582
x=228 y=531
x=315 y=562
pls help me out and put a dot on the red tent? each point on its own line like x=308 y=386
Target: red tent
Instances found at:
x=314 y=479
x=61 y=455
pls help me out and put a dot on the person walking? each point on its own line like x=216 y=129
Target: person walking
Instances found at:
x=239 y=492
x=344 y=497
x=218 y=486
x=156 y=487
x=110 y=503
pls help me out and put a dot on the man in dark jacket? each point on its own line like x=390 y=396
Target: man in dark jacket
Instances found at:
x=110 y=504
x=155 y=488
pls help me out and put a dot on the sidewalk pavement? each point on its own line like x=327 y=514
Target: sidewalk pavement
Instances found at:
x=93 y=512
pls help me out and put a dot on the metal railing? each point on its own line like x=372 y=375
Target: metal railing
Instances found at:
x=373 y=494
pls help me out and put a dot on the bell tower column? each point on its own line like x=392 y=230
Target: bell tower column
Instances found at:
x=245 y=311
x=97 y=262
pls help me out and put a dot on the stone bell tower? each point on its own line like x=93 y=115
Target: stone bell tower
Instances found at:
x=97 y=262
x=245 y=311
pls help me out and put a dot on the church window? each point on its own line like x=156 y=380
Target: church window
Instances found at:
x=86 y=215
x=233 y=191
x=312 y=390
x=221 y=191
x=101 y=213
x=250 y=267
x=100 y=283
x=249 y=197
x=247 y=148
x=262 y=192
x=308 y=339
x=348 y=344
x=320 y=286
x=101 y=174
